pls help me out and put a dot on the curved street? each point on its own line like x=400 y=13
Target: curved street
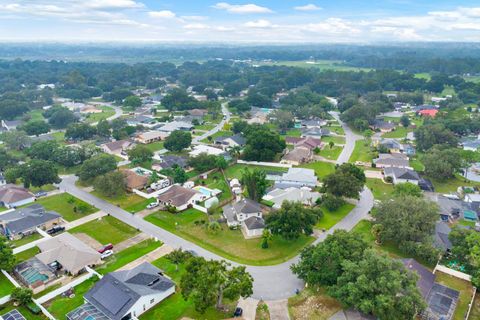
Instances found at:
x=270 y=282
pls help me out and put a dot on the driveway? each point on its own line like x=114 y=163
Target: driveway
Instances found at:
x=218 y=127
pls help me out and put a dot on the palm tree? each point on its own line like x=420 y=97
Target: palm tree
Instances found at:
x=235 y=151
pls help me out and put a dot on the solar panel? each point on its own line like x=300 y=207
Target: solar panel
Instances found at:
x=13 y=315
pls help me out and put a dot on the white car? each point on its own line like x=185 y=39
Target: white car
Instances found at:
x=152 y=205
x=106 y=254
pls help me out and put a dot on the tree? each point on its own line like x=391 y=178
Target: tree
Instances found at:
x=203 y=162
x=140 y=154
x=7 y=258
x=466 y=250
x=352 y=170
x=468 y=158
x=331 y=202
x=346 y=181
x=441 y=164
x=97 y=166
x=178 y=140
x=61 y=118
x=378 y=285
x=132 y=102
x=321 y=264
x=111 y=184
x=409 y=222
x=207 y=283
x=407 y=189
x=22 y=296
x=178 y=256
x=79 y=131
x=239 y=126
x=429 y=135
x=36 y=127
x=15 y=140
x=262 y=144
x=179 y=175
x=38 y=173
x=6 y=159
x=405 y=121
x=293 y=220
x=255 y=181
x=266 y=236
x=283 y=119
x=104 y=128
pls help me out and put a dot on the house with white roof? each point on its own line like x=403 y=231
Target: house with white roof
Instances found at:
x=303 y=195
x=199 y=149
x=297 y=177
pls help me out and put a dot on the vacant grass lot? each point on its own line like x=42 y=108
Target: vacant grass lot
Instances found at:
x=96 y=117
x=330 y=153
x=321 y=169
x=175 y=307
x=362 y=152
x=67 y=205
x=235 y=171
x=451 y=185
x=312 y=304
x=59 y=306
x=129 y=202
x=334 y=139
x=228 y=243
x=335 y=128
x=331 y=218
x=399 y=133
x=155 y=146
x=124 y=257
x=381 y=191
x=107 y=230
x=465 y=289
x=6 y=286
x=220 y=133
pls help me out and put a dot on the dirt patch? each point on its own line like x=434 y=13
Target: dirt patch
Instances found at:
x=312 y=305
x=89 y=240
x=262 y=311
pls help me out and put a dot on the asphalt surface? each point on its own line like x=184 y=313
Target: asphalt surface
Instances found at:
x=218 y=127
x=350 y=138
x=270 y=282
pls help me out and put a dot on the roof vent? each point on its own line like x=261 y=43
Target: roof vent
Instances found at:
x=153 y=282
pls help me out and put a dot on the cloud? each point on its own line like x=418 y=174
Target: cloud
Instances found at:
x=196 y=26
x=241 y=8
x=164 y=14
x=113 y=4
x=332 y=26
x=262 y=24
x=308 y=7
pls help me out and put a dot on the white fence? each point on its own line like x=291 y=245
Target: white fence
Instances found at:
x=200 y=208
x=4 y=300
x=455 y=273
x=265 y=164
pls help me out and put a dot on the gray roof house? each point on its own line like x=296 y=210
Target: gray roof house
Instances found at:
x=386 y=160
x=231 y=141
x=253 y=227
x=12 y=196
x=9 y=125
x=168 y=161
x=297 y=177
x=176 y=125
x=125 y=294
x=442 y=230
x=241 y=210
x=315 y=132
x=25 y=221
x=472 y=145
x=402 y=175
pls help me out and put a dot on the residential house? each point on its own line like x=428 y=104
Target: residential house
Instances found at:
x=142 y=120
x=388 y=160
x=425 y=107
x=313 y=123
x=241 y=210
x=303 y=195
x=401 y=175
x=125 y=294
x=68 y=253
x=442 y=230
x=441 y=300
x=471 y=145
x=134 y=181
x=382 y=126
x=391 y=145
x=168 y=161
x=118 y=147
x=226 y=142
x=314 y=132
x=296 y=177
x=179 y=197
x=428 y=113
x=198 y=112
x=23 y=222
x=176 y=125
x=199 y=149
x=151 y=136
x=297 y=156
x=12 y=196
x=253 y=227
x=9 y=125
x=473 y=199
x=308 y=142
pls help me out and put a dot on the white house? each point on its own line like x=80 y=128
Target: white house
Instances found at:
x=180 y=197
x=253 y=227
x=297 y=177
x=12 y=196
x=199 y=149
x=402 y=175
x=241 y=210
x=303 y=195
x=125 y=294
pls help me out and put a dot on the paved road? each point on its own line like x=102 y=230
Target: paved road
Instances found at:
x=350 y=138
x=218 y=127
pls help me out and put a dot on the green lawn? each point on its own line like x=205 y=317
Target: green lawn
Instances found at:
x=322 y=169
x=48 y=290
x=129 y=202
x=331 y=218
x=335 y=65
x=96 y=117
x=451 y=185
x=362 y=152
x=107 y=230
x=475 y=313
x=27 y=254
x=155 y=146
x=399 y=133
x=228 y=243
x=36 y=115
x=334 y=139
x=330 y=153
x=417 y=165
x=59 y=136
x=337 y=129
x=6 y=286
x=220 y=133
x=67 y=205
x=296 y=133
x=25 y=240
x=59 y=307
x=23 y=310
x=235 y=171
x=381 y=191
x=465 y=289
x=124 y=257
x=175 y=307
x=205 y=127
x=424 y=75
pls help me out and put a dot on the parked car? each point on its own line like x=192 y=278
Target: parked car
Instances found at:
x=55 y=229
x=152 y=205
x=40 y=193
x=106 y=254
x=105 y=248
x=238 y=312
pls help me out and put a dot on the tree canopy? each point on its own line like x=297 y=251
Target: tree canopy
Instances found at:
x=178 y=140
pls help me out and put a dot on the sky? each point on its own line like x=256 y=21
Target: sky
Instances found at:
x=255 y=21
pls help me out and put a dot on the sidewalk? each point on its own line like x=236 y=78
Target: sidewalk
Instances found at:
x=278 y=309
x=90 y=217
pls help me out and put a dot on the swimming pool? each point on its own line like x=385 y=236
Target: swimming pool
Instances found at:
x=205 y=191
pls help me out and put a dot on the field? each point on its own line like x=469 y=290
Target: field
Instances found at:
x=124 y=257
x=235 y=171
x=67 y=205
x=27 y=254
x=330 y=153
x=321 y=169
x=228 y=243
x=399 y=133
x=362 y=152
x=381 y=191
x=25 y=240
x=128 y=202
x=335 y=65
x=96 y=117
x=451 y=185
x=106 y=230
x=155 y=146
x=334 y=139
x=330 y=218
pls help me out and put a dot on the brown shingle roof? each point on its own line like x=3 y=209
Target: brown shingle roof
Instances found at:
x=134 y=181
x=11 y=193
x=177 y=195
